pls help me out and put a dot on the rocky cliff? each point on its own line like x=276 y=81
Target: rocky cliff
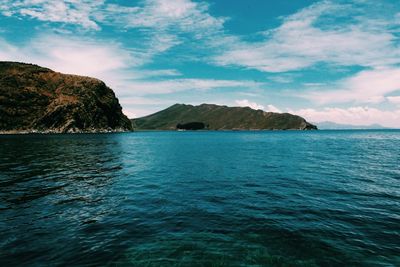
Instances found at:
x=37 y=99
x=215 y=117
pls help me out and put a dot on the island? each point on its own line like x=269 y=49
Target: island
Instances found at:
x=216 y=117
x=34 y=99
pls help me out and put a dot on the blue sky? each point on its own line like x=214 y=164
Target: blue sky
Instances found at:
x=324 y=60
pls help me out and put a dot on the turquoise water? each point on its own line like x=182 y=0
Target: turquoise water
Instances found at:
x=320 y=198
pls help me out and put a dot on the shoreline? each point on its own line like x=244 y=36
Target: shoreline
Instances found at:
x=160 y=130
x=49 y=132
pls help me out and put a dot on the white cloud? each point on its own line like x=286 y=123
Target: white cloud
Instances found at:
x=84 y=57
x=7 y=51
x=134 y=112
x=357 y=115
x=254 y=105
x=300 y=42
x=137 y=106
x=80 y=56
x=78 y=12
x=247 y=103
x=169 y=23
x=368 y=86
x=272 y=108
x=394 y=99
x=177 y=85
x=163 y=24
x=144 y=101
x=186 y=15
x=284 y=77
x=176 y=16
x=160 y=72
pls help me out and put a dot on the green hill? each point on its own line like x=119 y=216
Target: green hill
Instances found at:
x=215 y=117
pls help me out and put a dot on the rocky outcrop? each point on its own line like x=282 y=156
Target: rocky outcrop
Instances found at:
x=37 y=99
x=214 y=117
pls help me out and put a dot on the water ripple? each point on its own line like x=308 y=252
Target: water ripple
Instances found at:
x=327 y=198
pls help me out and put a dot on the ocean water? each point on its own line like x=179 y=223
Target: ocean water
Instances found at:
x=281 y=198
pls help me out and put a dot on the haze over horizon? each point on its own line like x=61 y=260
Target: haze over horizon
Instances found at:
x=333 y=61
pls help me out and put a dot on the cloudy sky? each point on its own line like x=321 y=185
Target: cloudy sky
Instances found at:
x=324 y=60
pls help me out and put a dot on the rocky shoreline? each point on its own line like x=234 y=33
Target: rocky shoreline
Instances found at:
x=94 y=131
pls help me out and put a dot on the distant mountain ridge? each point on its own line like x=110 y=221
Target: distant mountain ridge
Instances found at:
x=37 y=99
x=215 y=117
x=328 y=125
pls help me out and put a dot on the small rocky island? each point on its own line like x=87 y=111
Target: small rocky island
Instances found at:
x=215 y=117
x=34 y=99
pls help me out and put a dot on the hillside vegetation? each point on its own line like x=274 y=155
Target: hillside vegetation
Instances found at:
x=216 y=117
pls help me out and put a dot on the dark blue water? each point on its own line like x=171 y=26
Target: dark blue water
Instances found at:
x=324 y=198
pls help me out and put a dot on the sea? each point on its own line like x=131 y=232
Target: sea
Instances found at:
x=212 y=198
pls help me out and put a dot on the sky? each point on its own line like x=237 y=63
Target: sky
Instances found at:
x=324 y=60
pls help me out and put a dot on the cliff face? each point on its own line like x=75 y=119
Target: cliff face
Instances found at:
x=36 y=99
x=216 y=117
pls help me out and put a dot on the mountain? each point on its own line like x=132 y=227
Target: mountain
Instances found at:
x=328 y=125
x=37 y=99
x=214 y=117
